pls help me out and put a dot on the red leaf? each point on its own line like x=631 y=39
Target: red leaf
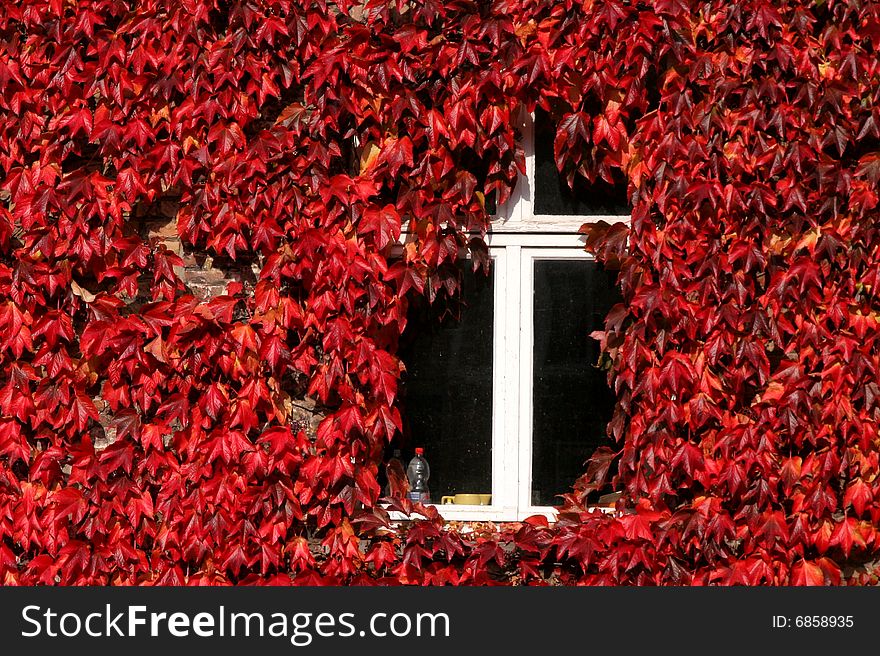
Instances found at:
x=807 y=573
x=69 y=502
x=119 y=455
x=82 y=410
x=859 y=495
x=214 y=400
x=383 y=223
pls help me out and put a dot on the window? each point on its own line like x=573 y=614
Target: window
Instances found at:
x=505 y=397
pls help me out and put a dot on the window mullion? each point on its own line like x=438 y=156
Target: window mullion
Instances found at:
x=504 y=423
x=523 y=383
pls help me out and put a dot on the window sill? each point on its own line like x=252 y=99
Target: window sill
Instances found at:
x=464 y=513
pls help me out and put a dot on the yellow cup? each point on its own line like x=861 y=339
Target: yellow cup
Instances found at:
x=462 y=500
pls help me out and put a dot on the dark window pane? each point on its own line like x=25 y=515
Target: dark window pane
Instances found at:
x=552 y=193
x=447 y=388
x=572 y=400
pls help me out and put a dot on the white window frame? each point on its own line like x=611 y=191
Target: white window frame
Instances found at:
x=517 y=238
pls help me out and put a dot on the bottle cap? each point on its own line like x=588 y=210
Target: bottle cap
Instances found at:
x=419 y=450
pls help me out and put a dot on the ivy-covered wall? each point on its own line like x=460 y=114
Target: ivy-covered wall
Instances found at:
x=160 y=423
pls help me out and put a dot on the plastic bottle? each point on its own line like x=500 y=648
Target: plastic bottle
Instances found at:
x=418 y=472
